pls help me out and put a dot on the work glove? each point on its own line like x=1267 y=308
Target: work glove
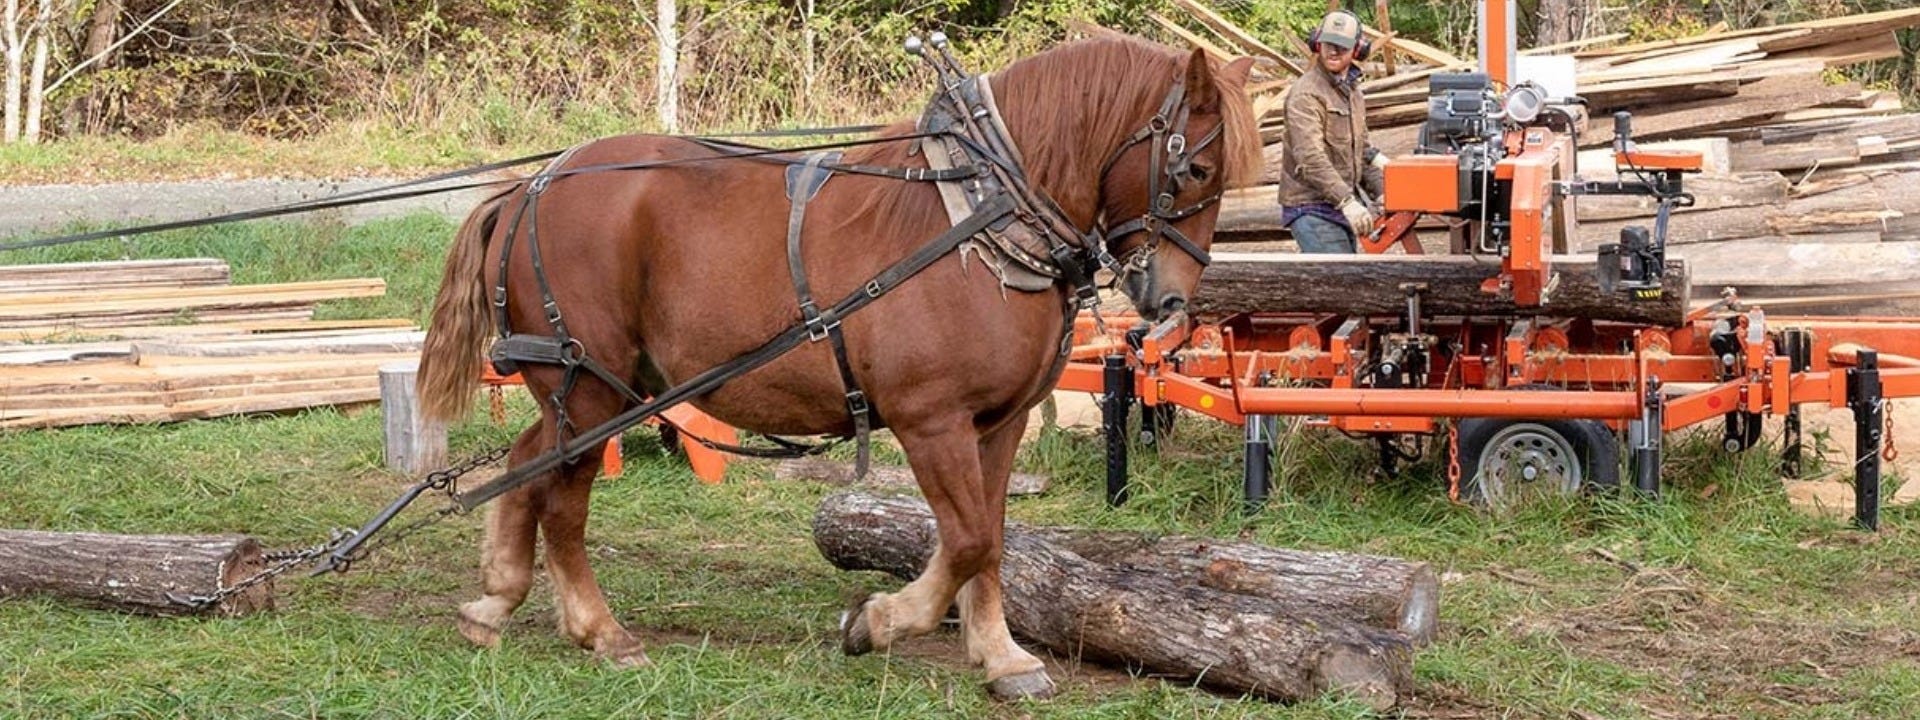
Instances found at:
x=1373 y=178
x=1358 y=217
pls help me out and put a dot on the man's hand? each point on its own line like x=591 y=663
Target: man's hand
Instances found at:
x=1358 y=217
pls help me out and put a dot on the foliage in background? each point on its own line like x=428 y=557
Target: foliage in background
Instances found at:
x=452 y=78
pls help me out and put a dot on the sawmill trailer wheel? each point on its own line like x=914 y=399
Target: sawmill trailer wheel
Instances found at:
x=1504 y=463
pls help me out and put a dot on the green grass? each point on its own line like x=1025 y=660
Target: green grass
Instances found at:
x=1733 y=603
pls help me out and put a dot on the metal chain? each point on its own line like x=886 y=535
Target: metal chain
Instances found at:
x=1453 y=460
x=284 y=560
x=1887 y=450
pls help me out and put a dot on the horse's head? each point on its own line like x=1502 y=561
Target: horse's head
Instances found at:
x=1160 y=191
x=1138 y=142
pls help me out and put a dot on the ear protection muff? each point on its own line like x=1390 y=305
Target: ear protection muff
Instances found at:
x=1361 y=49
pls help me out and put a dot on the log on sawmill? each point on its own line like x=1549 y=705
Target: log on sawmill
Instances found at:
x=1373 y=285
x=1155 y=620
x=144 y=574
x=837 y=473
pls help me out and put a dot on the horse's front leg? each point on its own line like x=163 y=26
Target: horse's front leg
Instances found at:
x=946 y=461
x=1012 y=672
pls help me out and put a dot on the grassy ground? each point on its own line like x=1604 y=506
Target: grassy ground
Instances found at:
x=1718 y=600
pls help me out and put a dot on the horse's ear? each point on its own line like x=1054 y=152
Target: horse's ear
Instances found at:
x=1201 y=94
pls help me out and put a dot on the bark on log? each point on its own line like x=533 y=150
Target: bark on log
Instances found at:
x=1382 y=592
x=1229 y=641
x=838 y=473
x=1370 y=285
x=133 y=573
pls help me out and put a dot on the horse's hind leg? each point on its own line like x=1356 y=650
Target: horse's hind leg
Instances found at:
x=506 y=556
x=1012 y=672
x=582 y=607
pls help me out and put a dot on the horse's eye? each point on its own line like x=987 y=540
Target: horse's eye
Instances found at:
x=1199 y=173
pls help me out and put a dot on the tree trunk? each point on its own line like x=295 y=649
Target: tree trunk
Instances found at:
x=1371 y=285
x=1561 y=21
x=1162 y=622
x=36 y=86
x=15 y=54
x=103 y=29
x=666 y=70
x=133 y=573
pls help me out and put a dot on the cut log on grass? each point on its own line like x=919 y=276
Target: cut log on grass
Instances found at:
x=1382 y=592
x=144 y=574
x=1371 y=285
x=1161 y=622
x=833 y=472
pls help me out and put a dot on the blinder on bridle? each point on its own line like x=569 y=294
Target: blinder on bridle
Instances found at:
x=1171 y=165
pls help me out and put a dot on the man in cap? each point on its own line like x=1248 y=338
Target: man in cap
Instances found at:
x=1331 y=178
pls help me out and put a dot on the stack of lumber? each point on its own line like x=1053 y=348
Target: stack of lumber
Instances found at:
x=1812 y=187
x=159 y=341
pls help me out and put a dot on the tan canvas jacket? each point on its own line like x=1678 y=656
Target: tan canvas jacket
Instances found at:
x=1325 y=152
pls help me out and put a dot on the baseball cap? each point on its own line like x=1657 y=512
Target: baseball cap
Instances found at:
x=1340 y=29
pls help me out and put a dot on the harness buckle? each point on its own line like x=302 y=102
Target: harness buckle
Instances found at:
x=540 y=183
x=873 y=289
x=500 y=296
x=819 y=326
x=857 y=404
x=1163 y=204
x=1176 y=144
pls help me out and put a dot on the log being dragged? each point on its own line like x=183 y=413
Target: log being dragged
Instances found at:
x=1158 y=621
x=1371 y=285
x=144 y=574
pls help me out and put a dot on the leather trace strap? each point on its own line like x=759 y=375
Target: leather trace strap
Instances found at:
x=803 y=182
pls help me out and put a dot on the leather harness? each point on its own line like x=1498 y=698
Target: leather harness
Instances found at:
x=994 y=211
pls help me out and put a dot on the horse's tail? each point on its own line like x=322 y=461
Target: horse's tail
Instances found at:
x=450 y=360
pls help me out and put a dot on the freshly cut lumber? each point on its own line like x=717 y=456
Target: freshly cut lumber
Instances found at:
x=70 y=405
x=1742 y=190
x=12 y=305
x=133 y=573
x=1227 y=29
x=833 y=472
x=85 y=321
x=1382 y=592
x=1756 y=101
x=1861 y=209
x=1830 y=268
x=71 y=277
x=193 y=410
x=262 y=328
x=1230 y=641
x=1371 y=285
x=386 y=342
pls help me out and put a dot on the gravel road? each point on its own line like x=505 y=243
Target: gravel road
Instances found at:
x=41 y=209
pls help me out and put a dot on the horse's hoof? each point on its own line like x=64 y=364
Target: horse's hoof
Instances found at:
x=627 y=653
x=856 y=638
x=1032 y=685
x=476 y=632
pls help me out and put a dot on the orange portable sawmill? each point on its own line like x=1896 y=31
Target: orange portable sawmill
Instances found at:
x=1548 y=371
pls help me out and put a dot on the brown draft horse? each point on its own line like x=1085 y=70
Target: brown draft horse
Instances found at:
x=666 y=272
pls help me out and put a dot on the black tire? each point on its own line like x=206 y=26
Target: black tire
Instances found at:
x=1587 y=447
x=1502 y=461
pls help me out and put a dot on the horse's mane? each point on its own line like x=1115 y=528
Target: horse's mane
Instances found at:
x=1063 y=150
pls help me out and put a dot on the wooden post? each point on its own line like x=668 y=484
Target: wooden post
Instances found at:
x=415 y=444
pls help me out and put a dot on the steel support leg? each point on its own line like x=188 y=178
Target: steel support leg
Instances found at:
x=1647 y=435
x=1869 y=415
x=1115 y=404
x=1799 y=350
x=1259 y=461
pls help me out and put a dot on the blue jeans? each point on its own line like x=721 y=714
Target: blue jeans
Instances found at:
x=1316 y=234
